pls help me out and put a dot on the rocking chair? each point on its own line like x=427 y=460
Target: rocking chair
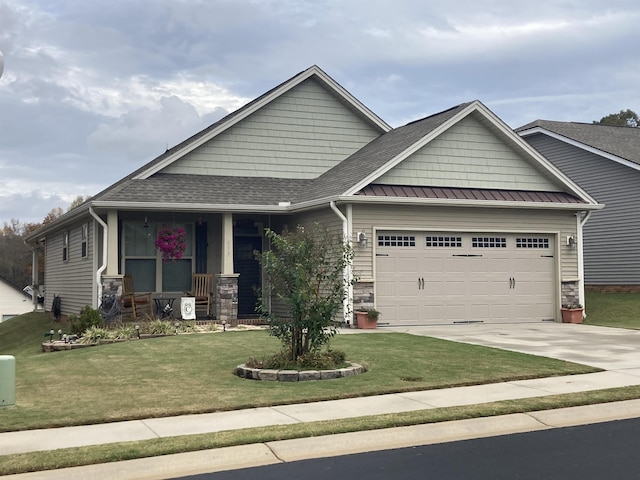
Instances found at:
x=131 y=301
x=201 y=285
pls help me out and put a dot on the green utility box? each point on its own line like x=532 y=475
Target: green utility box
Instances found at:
x=7 y=380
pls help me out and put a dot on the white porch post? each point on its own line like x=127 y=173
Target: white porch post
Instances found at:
x=112 y=243
x=227 y=244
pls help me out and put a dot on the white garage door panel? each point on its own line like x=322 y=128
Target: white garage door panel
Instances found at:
x=445 y=279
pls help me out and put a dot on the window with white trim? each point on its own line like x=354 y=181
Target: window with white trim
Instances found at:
x=85 y=235
x=65 y=246
x=396 y=241
x=532 y=242
x=144 y=262
x=443 y=241
x=489 y=242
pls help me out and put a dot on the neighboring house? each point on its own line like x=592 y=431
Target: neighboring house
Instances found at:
x=605 y=161
x=453 y=218
x=13 y=302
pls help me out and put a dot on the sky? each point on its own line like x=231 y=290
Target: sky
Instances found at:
x=92 y=90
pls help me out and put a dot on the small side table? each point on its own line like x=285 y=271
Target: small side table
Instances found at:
x=164 y=307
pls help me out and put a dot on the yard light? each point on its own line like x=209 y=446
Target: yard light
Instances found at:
x=65 y=338
x=60 y=334
x=51 y=332
x=224 y=325
x=177 y=324
x=138 y=331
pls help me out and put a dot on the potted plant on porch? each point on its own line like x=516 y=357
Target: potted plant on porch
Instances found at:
x=572 y=313
x=367 y=318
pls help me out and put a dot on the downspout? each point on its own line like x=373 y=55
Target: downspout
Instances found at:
x=580 y=223
x=102 y=268
x=34 y=276
x=346 y=228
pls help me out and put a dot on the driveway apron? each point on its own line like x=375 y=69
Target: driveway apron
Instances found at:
x=601 y=347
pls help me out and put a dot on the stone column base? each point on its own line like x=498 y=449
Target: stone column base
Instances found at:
x=227 y=298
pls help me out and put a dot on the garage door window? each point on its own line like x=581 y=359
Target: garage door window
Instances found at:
x=396 y=241
x=489 y=242
x=443 y=242
x=532 y=242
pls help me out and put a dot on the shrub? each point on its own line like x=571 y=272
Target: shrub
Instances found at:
x=94 y=335
x=305 y=271
x=88 y=318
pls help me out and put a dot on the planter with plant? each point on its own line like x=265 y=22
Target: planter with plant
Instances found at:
x=367 y=318
x=171 y=241
x=572 y=313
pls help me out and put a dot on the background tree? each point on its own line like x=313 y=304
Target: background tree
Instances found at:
x=305 y=272
x=53 y=214
x=79 y=200
x=15 y=256
x=624 y=118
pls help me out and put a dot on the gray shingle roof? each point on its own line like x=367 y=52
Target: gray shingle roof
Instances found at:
x=207 y=189
x=623 y=142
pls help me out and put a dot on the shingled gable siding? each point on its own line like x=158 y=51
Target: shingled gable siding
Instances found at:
x=368 y=217
x=611 y=245
x=468 y=155
x=301 y=134
x=72 y=280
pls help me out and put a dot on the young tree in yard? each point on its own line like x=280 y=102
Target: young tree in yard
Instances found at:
x=305 y=271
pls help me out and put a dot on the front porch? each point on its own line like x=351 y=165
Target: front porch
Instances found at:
x=220 y=244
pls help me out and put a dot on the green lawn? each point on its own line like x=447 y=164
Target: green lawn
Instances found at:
x=613 y=309
x=193 y=373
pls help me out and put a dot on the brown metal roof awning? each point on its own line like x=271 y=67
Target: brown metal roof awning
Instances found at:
x=448 y=193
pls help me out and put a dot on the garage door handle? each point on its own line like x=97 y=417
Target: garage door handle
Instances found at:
x=512 y=282
x=420 y=283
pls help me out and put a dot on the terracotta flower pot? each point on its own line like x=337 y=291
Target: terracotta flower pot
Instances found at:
x=364 y=321
x=571 y=315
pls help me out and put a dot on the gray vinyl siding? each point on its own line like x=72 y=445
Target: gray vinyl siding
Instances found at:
x=73 y=280
x=300 y=134
x=612 y=235
x=468 y=155
x=366 y=218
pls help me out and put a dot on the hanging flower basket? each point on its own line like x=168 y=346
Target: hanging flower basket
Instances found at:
x=171 y=241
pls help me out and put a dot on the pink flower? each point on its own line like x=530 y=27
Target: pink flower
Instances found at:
x=171 y=241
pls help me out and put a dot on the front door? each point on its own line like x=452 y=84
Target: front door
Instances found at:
x=246 y=264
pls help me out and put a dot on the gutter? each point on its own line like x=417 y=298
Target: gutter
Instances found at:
x=105 y=231
x=346 y=228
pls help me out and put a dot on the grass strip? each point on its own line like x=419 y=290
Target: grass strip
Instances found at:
x=70 y=457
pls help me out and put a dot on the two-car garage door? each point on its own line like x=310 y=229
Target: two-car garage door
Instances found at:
x=427 y=278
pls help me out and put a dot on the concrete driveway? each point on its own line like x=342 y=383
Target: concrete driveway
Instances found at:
x=601 y=347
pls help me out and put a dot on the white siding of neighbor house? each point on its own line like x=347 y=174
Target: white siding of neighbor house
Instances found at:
x=300 y=134
x=74 y=280
x=468 y=155
x=13 y=302
x=366 y=218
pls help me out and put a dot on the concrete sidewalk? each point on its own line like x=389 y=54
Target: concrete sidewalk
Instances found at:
x=255 y=455
x=55 y=438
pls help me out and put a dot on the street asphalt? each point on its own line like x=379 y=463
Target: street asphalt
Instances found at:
x=616 y=351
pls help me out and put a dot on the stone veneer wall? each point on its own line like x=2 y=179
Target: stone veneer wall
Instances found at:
x=363 y=298
x=112 y=285
x=227 y=298
x=570 y=293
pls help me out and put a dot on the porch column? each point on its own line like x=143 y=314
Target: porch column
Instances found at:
x=112 y=243
x=227 y=244
x=227 y=281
